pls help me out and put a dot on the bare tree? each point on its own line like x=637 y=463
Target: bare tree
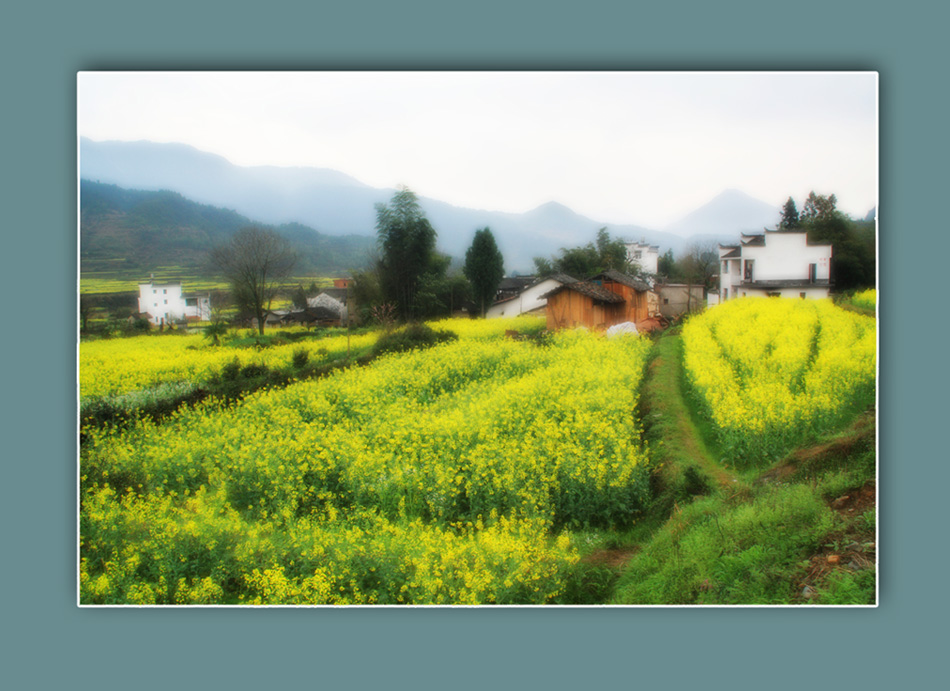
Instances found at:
x=255 y=261
x=700 y=264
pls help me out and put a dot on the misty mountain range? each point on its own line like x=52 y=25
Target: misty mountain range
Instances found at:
x=336 y=204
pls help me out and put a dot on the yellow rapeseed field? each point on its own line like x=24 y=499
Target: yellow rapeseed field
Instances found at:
x=449 y=475
x=772 y=373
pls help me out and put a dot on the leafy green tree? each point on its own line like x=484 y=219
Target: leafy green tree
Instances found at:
x=484 y=267
x=543 y=267
x=612 y=252
x=299 y=297
x=666 y=264
x=790 y=217
x=255 y=261
x=406 y=242
x=819 y=209
x=589 y=259
x=853 y=254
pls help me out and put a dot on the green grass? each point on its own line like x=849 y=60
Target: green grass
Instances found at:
x=97 y=282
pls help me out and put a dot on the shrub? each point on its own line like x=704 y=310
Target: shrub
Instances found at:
x=300 y=357
x=411 y=336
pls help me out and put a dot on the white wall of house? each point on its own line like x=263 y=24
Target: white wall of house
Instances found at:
x=644 y=255
x=785 y=256
x=529 y=299
x=165 y=303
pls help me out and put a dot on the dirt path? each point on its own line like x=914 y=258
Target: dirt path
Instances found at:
x=667 y=417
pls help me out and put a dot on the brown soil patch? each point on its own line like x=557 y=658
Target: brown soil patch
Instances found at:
x=861 y=433
x=614 y=558
x=856 y=502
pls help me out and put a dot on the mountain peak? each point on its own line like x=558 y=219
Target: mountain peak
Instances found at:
x=732 y=211
x=551 y=208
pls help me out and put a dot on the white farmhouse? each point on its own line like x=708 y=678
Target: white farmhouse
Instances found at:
x=529 y=299
x=644 y=255
x=165 y=303
x=774 y=263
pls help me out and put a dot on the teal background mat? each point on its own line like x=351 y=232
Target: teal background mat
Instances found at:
x=48 y=642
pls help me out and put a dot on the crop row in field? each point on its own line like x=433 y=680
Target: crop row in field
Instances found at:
x=111 y=367
x=772 y=373
x=349 y=488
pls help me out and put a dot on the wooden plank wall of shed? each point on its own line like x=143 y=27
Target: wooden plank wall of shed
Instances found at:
x=568 y=309
x=635 y=307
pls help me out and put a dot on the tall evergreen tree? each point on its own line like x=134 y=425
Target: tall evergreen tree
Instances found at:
x=790 y=218
x=484 y=267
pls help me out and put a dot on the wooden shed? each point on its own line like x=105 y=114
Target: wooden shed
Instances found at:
x=583 y=304
x=635 y=292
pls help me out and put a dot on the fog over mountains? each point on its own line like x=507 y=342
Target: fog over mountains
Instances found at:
x=337 y=204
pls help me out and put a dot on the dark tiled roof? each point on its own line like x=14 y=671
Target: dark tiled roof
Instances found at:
x=732 y=254
x=786 y=283
x=515 y=282
x=753 y=240
x=335 y=293
x=637 y=284
x=560 y=278
x=591 y=290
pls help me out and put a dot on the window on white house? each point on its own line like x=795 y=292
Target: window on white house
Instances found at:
x=164 y=291
x=812 y=273
x=749 y=265
x=801 y=295
x=166 y=302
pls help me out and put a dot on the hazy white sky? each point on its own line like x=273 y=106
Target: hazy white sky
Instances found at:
x=620 y=147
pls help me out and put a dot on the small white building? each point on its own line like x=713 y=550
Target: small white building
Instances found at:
x=676 y=299
x=165 y=303
x=774 y=263
x=644 y=255
x=529 y=299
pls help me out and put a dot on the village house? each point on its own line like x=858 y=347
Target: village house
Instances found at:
x=529 y=299
x=774 y=263
x=512 y=286
x=608 y=298
x=335 y=299
x=644 y=255
x=165 y=303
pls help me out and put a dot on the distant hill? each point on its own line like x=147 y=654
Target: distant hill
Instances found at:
x=729 y=213
x=125 y=231
x=336 y=204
